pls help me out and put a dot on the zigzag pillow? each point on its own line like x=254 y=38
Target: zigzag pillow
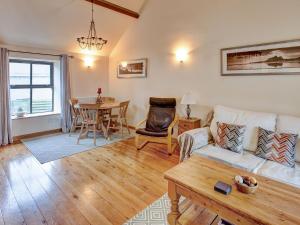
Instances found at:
x=278 y=147
x=230 y=136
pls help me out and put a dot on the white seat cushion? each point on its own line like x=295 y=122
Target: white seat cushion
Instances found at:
x=290 y=124
x=252 y=120
x=246 y=160
x=281 y=173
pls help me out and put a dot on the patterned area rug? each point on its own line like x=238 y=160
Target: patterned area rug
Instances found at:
x=52 y=147
x=154 y=214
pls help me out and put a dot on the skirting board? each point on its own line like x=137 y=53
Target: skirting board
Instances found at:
x=131 y=127
x=17 y=139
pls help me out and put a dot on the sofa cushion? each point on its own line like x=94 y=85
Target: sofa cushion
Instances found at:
x=278 y=147
x=230 y=137
x=281 y=173
x=290 y=124
x=252 y=120
x=246 y=160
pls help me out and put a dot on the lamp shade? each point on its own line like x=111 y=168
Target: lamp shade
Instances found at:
x=188 y=99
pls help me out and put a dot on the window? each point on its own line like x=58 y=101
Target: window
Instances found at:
x=31 y=86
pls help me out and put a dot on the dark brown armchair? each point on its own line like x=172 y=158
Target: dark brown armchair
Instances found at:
x=160 y=122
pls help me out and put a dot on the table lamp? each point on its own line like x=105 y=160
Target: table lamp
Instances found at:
x=188 y=99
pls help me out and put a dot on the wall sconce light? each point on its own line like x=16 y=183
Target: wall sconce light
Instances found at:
x=181 y=55
x=124 y=64
x=88 y=61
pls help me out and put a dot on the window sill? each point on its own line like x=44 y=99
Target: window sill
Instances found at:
x=27 y=116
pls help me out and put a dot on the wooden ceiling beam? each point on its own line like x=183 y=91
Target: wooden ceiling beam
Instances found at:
x=115 y=7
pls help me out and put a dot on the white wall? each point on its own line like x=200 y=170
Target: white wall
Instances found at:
x=84 y=82
x=31 y=125
x=204 y=27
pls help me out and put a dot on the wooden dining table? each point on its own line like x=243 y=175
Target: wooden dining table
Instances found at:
x=100 y=107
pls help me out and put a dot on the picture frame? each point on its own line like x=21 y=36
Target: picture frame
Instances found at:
x=276 y=58
x=132 y=69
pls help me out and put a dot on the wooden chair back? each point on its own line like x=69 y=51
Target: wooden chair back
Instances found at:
x=108 y=99
x=88 y=112
x=123 y=109
x=73 y=102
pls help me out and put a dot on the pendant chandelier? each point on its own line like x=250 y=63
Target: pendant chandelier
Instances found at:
x=91 y=42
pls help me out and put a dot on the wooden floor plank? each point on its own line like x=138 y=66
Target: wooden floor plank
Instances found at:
x=107 y=185
x=28 y=207
x=71 y=214
x=21 y=152
x=114 y=168
x=77 y=193
x=43 y=201
x=87 y=182
x=137 y=166
x=9 y=207
x=128 y=191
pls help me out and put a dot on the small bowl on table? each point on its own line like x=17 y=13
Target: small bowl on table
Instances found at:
x=245 y=187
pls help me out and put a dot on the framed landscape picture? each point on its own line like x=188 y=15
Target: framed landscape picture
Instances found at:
x=133 y=69
x=264 y=59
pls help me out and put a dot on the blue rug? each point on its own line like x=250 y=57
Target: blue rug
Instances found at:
x=52 y=147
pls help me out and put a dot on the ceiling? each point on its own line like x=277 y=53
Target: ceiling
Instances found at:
x=55 y=24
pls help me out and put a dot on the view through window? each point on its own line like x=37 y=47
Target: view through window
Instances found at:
x=31 y=86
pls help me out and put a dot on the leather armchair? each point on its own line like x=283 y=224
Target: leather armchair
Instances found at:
x=159 y=123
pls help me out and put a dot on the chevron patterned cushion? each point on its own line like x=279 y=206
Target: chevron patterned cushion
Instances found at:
x=230 y=136
x=278 y=147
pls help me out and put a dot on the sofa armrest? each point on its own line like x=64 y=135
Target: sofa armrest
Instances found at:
x=191 y=140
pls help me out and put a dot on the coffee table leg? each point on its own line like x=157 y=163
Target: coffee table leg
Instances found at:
x=174 y=197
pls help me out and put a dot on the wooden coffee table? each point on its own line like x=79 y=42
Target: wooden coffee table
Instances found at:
x=273 y=202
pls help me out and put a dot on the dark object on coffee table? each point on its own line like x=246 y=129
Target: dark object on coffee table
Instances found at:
x=224 y=222
x=222 y=188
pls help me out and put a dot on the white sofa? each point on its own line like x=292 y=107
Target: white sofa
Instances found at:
x=200 y=141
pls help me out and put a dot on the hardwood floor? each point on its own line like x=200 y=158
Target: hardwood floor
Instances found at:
x=107 y=185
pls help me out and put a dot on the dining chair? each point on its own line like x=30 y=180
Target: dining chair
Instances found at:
x=75 y=114
x=120 y=119
x=106 y=113
x=90 y=120
x=108 y=99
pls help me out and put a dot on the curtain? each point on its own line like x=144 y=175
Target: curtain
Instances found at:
x=5 y=117
x=65 y=94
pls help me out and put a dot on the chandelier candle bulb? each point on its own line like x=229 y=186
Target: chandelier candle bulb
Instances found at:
x=92 y=42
